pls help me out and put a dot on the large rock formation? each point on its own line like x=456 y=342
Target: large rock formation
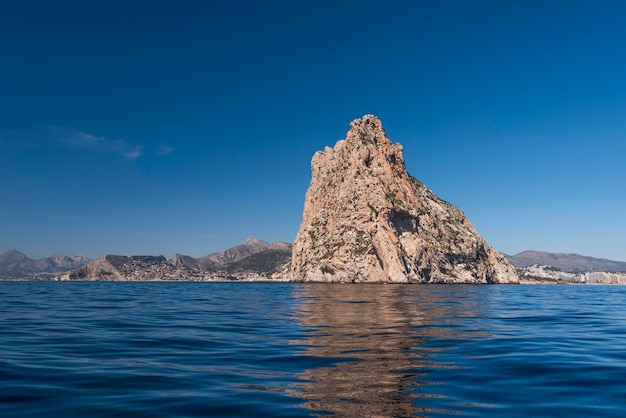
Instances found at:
x=367 y=220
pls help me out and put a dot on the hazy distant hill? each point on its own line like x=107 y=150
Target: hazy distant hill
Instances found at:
x=249 y=247
x=217 y=261
x=267 y=262
x=184 y=261
x=565 y=262
x=15 y=263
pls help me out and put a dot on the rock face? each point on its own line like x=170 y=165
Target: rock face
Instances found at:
x=367 y=220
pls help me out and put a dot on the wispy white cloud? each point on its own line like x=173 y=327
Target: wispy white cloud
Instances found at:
x=84 y=140
x=164 y=150
x=78 y=139
x=134 y=153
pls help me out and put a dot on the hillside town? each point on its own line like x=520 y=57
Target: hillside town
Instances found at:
x=548 y=274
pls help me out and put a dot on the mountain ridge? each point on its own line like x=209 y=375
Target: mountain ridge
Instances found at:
x=252 y=257
x=570 y=262
x=231 y=255
x=215 y=261
x=14 y=262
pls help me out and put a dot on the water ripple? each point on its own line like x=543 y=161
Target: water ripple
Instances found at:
x=244 y=349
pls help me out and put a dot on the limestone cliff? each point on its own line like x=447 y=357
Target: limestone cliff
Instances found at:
x=367 y=220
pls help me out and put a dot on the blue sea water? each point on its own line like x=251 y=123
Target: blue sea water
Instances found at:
x=77 y=349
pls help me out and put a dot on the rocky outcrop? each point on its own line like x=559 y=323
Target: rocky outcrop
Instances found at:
x=132 y=268
x=184 y=261
x=367 y=220
x=105 y=268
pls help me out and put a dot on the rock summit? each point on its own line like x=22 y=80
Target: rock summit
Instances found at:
x=367 y=220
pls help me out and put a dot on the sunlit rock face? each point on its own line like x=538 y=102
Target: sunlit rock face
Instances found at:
x=367 y=220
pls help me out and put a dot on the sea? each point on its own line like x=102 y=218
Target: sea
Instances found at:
x=161 y=349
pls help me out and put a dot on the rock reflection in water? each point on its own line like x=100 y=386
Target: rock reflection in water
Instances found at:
x=374 y=333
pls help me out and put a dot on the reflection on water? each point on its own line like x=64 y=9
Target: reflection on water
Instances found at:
x=375 y=336
x=155 y=350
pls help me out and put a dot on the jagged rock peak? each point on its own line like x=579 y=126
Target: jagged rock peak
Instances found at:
x=368 y=129
x=367 y=220
x=252 y=240
x=12 y=255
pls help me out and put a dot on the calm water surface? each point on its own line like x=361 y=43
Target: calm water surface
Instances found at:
x=249 y=349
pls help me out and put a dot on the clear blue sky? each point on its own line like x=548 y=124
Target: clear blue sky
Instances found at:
x=147 y=127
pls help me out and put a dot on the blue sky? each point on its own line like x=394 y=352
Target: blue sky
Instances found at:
x=136 y=127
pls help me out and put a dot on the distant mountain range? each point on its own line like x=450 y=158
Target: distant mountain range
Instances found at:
x=565 y=262
x=266 y=261
x=216 y=261
x=15 y=263
x=252 y=256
